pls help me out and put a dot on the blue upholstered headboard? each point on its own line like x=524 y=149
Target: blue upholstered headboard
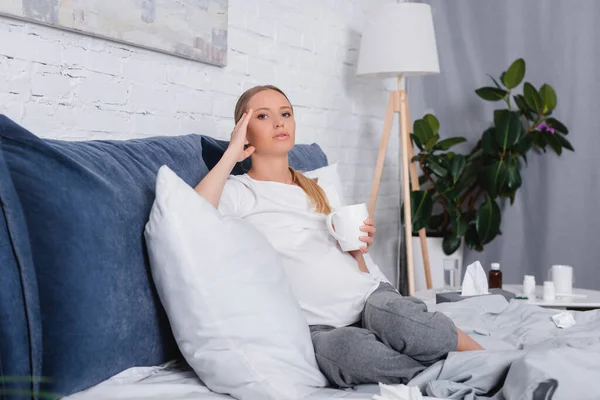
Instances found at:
x=77 y=303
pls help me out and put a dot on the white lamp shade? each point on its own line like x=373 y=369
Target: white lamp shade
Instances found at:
x=398 y=39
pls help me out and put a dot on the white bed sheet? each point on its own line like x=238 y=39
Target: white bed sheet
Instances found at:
x=169 y=381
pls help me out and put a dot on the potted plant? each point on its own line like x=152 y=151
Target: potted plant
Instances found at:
x=459 y=194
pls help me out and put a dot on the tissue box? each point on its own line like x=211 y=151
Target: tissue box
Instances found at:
x=446 y=297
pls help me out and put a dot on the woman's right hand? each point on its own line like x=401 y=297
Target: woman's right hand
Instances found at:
x=239 y=141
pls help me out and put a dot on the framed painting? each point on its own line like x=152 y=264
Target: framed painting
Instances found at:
x=194 y=29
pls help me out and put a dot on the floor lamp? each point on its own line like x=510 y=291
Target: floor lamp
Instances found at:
x=399 y=41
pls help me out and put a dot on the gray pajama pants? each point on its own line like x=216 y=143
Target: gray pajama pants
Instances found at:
x=395 y=339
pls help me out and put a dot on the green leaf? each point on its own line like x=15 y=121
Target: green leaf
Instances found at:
x=493 y=178
x=539 y=140
x=421 y=207
x=417 y=141
x=423 y=131
x=554 y=143
x=472 y=238
x=423 y=179
x=450 y=244
x=444 y=185
x=515 y=73
x=468 y=177
x=488 y=145
x=435 y=222
x=513 y=176
x=488 y=220
x=447 y=143
x=436 y=167
x=431 y=142
x=512 y=197
x=433 y=122
x=508 y=129
x=564 y=142
x=491 y=93
x=457 y=167
x=524 y=144
x=520 y=102
x=557 y=125
x=476 y=155
x=532 y=98
x=450 y=193
x=548 y=96
x=499 y=114
x=459 y=225
x=444 y=160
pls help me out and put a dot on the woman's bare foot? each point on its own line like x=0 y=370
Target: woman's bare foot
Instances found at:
x=465 y=343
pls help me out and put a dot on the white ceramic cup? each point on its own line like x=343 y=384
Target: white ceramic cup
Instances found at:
x=562 y=276
x=529 y=285
x=549 y=291
x=347 y=221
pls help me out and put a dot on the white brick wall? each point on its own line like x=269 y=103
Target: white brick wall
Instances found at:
x=69 y=86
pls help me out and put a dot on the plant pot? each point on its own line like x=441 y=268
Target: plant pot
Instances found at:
x=436 y=262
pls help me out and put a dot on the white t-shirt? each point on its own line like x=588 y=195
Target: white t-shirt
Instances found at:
x=325 y=279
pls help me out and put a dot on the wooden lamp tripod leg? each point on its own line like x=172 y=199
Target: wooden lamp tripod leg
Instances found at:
x=385 y=136
x=414 y=180
x=404 y=144
x=392 y=108
x=398 y=103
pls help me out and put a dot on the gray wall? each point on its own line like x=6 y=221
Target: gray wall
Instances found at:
x=555 y=218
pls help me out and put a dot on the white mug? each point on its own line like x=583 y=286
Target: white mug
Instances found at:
x=347 y=221
x=562 y=276
x=529 y=285
x=549 y=293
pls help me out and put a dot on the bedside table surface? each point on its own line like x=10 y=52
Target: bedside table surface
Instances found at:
x=583 y=298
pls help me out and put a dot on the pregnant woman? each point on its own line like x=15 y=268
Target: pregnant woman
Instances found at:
x=363 y=330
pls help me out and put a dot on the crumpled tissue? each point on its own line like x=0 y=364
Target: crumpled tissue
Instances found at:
x=564 y=320
x=475 y=281
x=398 y=392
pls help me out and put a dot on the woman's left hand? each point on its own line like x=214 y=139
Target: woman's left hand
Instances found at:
x=369 y=227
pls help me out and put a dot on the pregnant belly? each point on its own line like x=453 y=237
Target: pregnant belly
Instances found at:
x=327 y=279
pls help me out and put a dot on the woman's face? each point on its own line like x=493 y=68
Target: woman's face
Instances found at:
x=272 y=128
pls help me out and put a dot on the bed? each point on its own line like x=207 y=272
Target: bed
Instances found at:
x=527 y=357
x=78 y=306
x=175 y=381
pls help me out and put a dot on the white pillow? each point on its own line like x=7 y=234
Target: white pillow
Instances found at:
x=231 y=310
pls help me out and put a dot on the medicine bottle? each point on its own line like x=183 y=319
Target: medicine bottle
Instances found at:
x=495 y=277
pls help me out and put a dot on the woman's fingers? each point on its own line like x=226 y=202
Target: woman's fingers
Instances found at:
x=239 y=123
x=239 y=140
x=246 y=119
x=243 y=122
x=368 y=228
x=367 y=239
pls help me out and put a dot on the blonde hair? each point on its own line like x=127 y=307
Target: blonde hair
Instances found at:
x=314 y=192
